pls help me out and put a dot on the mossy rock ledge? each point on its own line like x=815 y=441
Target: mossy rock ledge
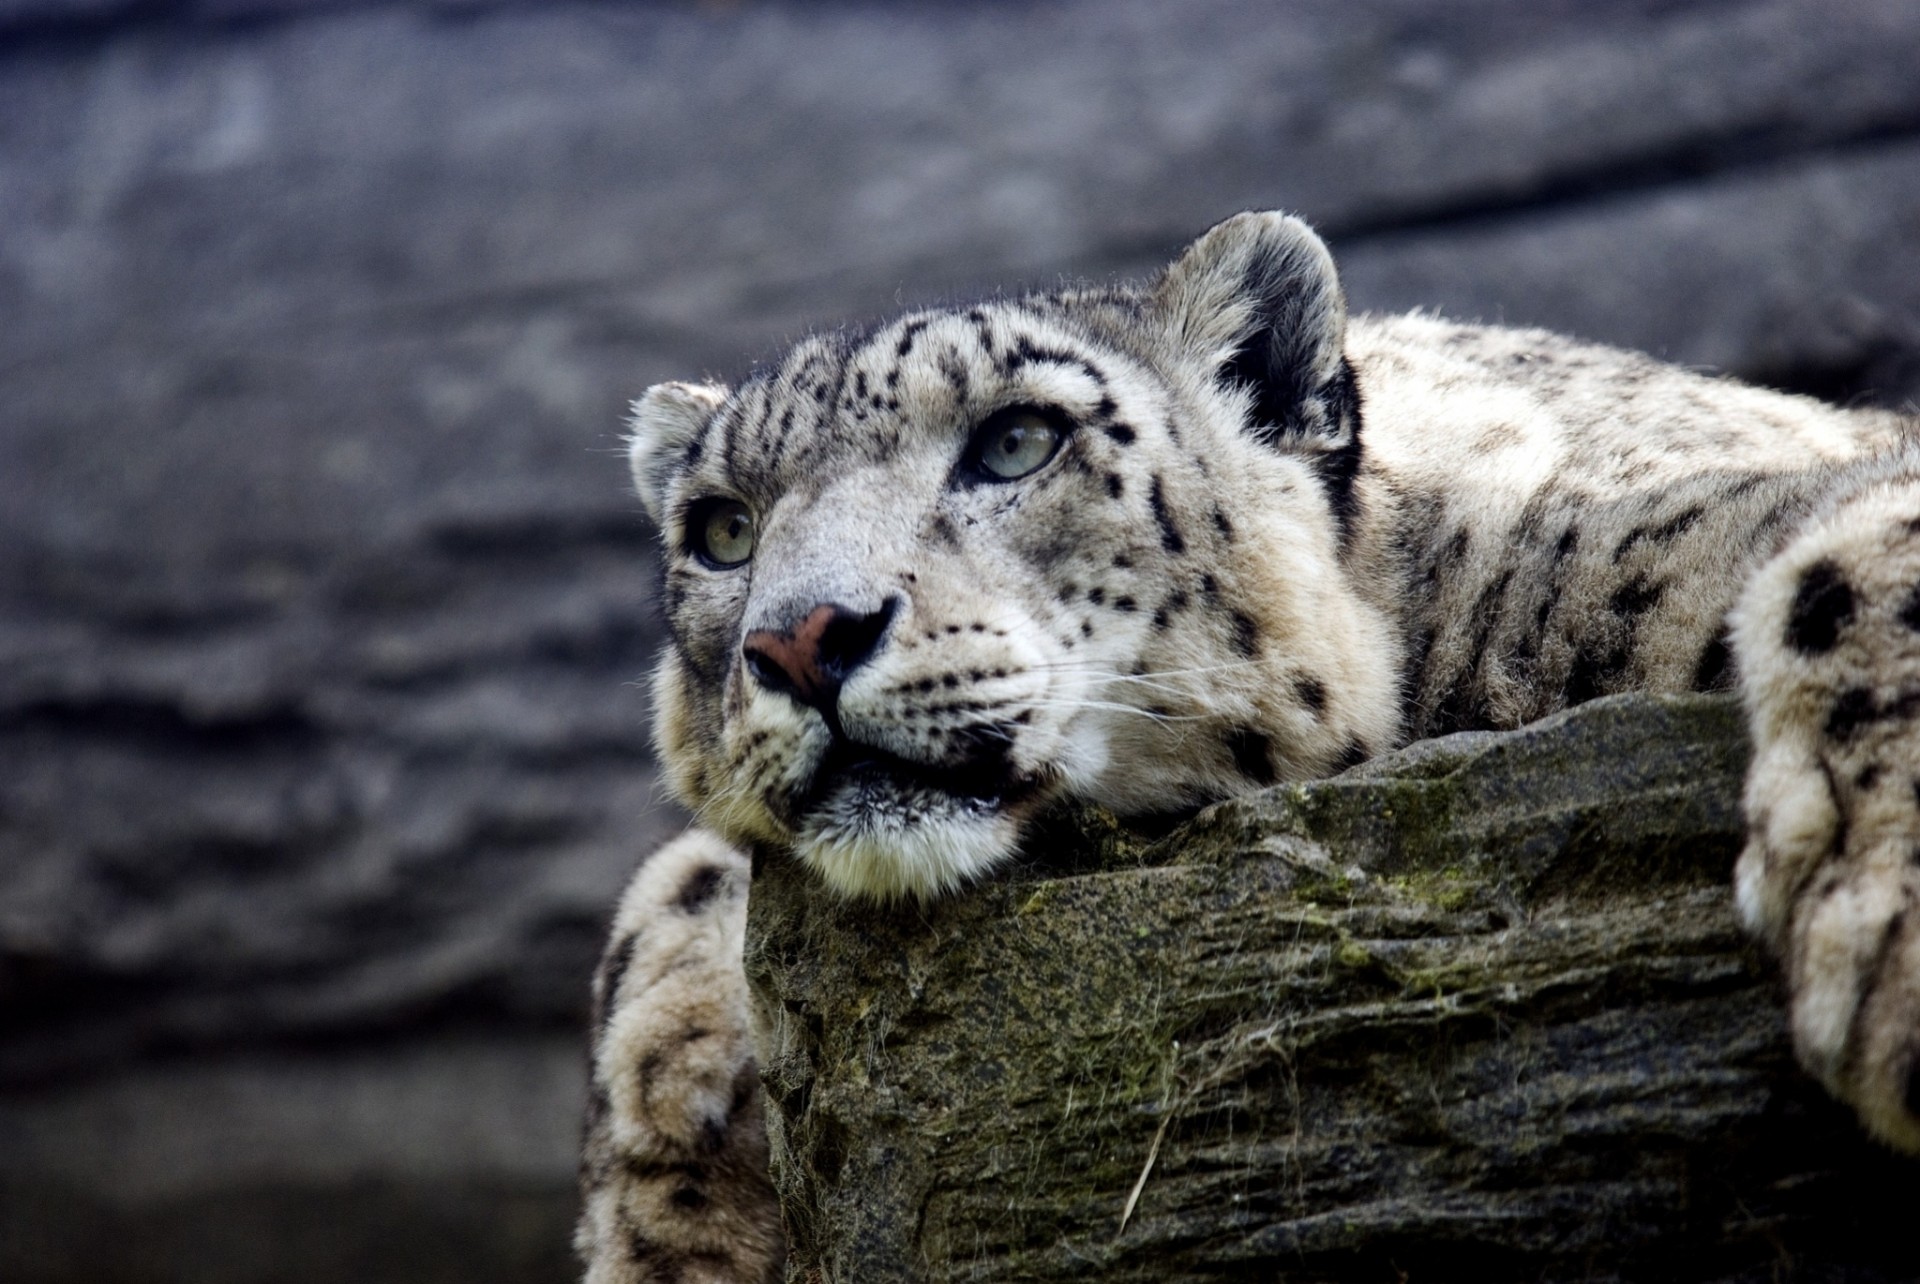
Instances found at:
x=1475 y=1010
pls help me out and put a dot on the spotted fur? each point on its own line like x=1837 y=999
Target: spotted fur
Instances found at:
x=673 y=1169
x=1265 y=542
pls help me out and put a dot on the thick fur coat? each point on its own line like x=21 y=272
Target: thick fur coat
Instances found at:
x=1148 y=548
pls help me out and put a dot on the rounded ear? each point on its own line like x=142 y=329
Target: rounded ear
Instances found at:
x=1257 y=298
x=663 y=425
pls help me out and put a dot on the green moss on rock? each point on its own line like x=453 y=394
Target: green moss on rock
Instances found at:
x=1477 y=1008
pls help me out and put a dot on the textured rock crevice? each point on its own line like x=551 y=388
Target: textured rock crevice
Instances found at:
x=1476 y=1009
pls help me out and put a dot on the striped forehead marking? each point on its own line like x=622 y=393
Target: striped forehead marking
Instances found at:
x=836 y=396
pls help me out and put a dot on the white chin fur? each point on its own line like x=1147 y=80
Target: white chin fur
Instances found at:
x=888 y=854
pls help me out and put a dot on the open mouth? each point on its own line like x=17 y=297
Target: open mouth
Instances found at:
x=984 y=778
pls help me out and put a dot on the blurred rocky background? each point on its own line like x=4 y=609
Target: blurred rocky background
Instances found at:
x=324 y=613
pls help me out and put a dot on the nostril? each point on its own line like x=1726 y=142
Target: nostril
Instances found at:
x=765 y=669
x=849 y=640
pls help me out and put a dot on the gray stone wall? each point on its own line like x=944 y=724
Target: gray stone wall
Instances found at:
x=323 y=611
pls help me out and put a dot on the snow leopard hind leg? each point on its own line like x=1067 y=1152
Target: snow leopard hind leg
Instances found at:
x=673 y=1169
x=1826 y=638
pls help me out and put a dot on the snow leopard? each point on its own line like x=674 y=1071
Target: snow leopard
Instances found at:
x=1149 y=546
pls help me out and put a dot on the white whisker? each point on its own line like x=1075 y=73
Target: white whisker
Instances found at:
x=1199 y=671
x=1111 y=706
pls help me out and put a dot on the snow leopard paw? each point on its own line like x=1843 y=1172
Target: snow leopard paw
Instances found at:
x=1827 y=640
x=673 y=1173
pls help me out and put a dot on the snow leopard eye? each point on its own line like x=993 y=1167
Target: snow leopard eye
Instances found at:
x=720 y=531
x=1014 y=442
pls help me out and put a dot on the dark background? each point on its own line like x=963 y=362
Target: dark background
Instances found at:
x=323 y=606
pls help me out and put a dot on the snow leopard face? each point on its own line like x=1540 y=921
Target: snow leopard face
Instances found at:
x=923 y=580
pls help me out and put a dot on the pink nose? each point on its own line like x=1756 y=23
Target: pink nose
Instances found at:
x=790 y=662
x=810 y=661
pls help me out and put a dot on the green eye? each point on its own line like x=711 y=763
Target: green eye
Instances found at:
x=721 y=531
x=1016 y=442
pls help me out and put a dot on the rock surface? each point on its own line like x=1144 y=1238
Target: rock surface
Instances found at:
x=1474 y=1010
x=322 y=603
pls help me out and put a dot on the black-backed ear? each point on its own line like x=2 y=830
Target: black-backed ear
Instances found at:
x=663 y=425
x=1258 y=299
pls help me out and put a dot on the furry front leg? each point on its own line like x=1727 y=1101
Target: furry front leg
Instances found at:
x=673 y=1173
x=1827 y=638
